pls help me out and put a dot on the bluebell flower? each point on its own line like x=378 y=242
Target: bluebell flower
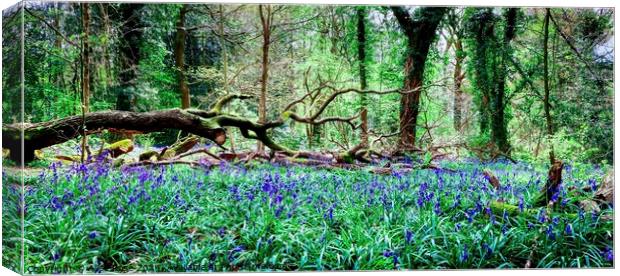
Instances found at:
x=221 y=232
x=568 y=229
x=464 y=254
x=56 y=256
x=408 y=236
x=542 y=216
x=437 y=208
x=609 y=254
x=388 y=253
x=488 y=251
x=550 y=233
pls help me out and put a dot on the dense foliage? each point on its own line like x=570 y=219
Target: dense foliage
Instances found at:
x=311 y=45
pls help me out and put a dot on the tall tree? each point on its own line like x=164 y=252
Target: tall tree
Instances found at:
x=266 y=19
x=129 y=54
x=85 y=63
x=361 y=57
x=499 y=128
x=455 y=30
x=179 y=57
x=420 y=32
x=547 y=105
x=491 y=55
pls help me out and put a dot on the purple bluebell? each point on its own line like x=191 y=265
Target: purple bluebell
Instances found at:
x=550 y=233
x=408 y=236
x=464 y=254
x=488 y=251
x=609 y=254
x=221 y=232
x=388 y=253
x=568 y=229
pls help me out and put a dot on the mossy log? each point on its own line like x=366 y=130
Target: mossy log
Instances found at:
x=41 y=135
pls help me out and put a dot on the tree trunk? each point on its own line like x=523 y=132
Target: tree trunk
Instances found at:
x=59 y=77
x=265 y=18
x=129 y=48
x=499 y=131
x=179 y=57
x=45 y=134
x=547 y=106
x=85 y=74
x=458 y=83
x=85 y=58
x=361 y=56
x=420 y=34
x=554 y=180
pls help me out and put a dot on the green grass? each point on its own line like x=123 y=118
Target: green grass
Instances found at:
x=269 y=218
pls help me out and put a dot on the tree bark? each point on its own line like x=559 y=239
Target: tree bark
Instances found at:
x=361 y=56
x=420 y=34
x=554 y=180
x=85 y=74
x=546 y=103
x=41 y=135
x=499 y=131
x=458 y=83
x=266 y=20
x=129 y=56
x=85 y=58
x=179 y=57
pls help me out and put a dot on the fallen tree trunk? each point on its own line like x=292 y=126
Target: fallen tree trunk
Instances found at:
x=45 y=134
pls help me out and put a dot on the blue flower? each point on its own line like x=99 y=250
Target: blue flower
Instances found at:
x=56 y=256
x=609 y=254
x=221 y=232
x=542 y=216
x=388 y=253
x=93 y=235
x=568 y=229
x=408 y=236
x=464 y=254
x=550 y=233
x=488 y=249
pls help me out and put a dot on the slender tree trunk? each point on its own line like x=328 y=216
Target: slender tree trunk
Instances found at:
x=85 y=57
x=106 y=53
x=223 y=46
x=85 y=73
x=224 y=54
x=179 y=57
x=265 y=17
x=458 y=82
x=59 y=78
x=547 y=106
x=361 y=56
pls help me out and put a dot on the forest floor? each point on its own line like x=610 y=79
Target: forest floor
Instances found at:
x=266 y=217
